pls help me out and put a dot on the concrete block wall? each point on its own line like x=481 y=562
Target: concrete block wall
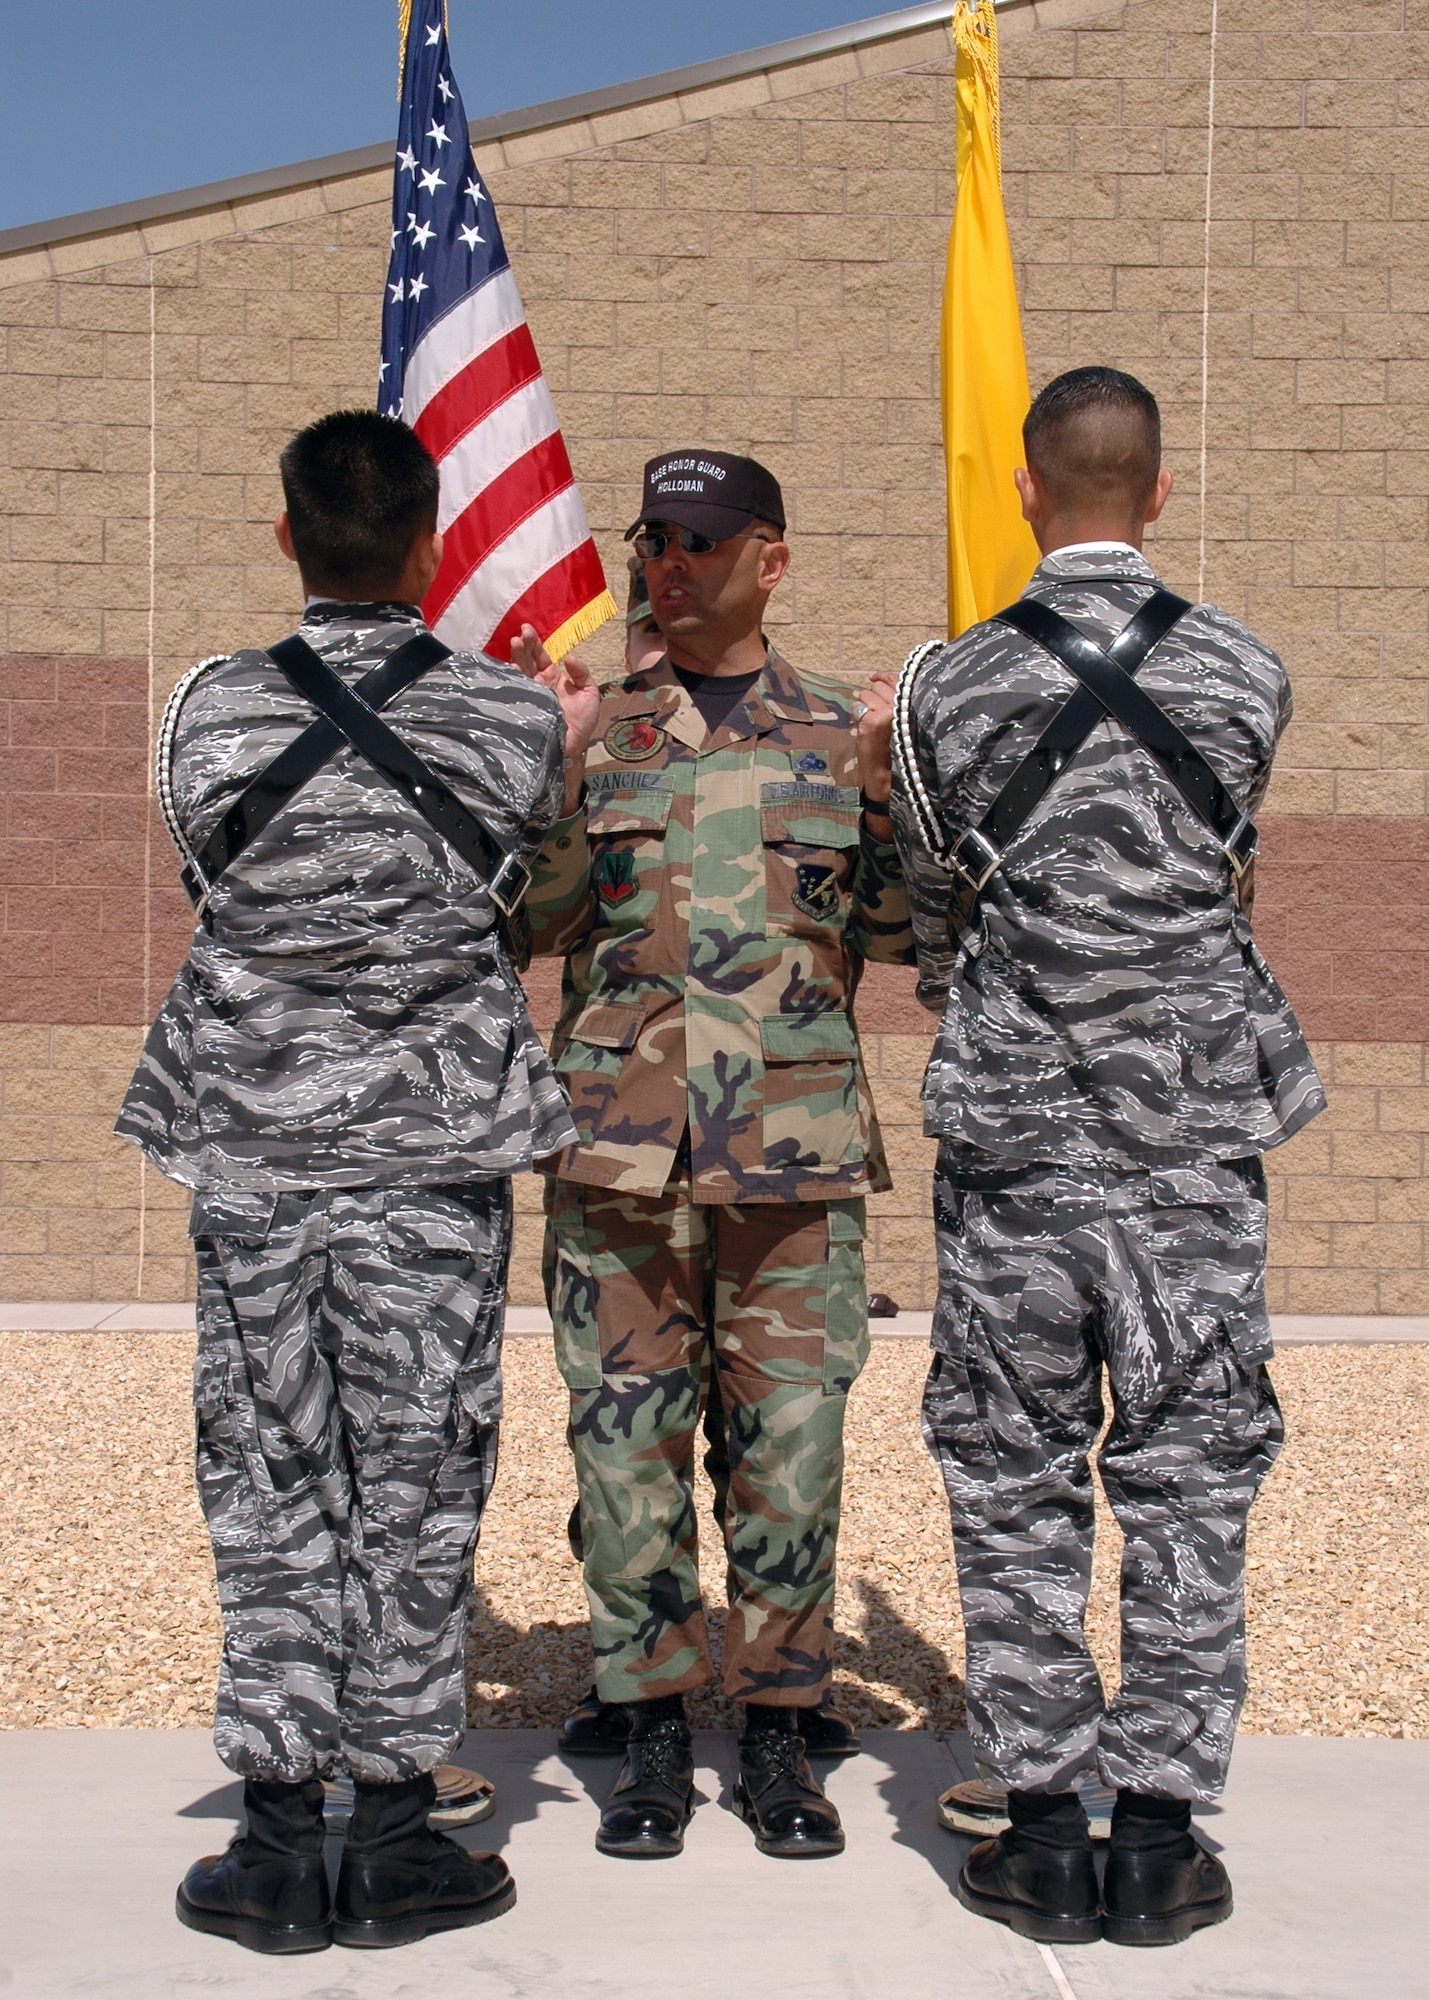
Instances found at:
x=758 y=265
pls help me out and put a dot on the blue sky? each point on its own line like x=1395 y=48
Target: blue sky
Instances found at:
x=109 y=100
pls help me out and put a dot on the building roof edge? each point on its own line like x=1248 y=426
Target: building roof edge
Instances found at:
x=504 y=125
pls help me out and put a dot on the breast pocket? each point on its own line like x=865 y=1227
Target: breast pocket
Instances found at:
x=812 y=1122
x=810 y=835
x=627 y=858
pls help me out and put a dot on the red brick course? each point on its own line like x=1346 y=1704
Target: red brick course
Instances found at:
x=1342 y=904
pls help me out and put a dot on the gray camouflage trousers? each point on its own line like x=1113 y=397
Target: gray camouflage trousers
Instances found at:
x=1047 y=1276
x=347 y=1394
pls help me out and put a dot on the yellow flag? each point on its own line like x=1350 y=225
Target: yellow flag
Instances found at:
x=991 y=552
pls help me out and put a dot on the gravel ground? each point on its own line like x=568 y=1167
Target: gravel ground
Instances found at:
x=107 y=1612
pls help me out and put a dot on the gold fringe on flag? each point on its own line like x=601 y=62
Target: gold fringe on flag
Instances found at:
x=404 y=23
x=588 y=619
x=974 y=26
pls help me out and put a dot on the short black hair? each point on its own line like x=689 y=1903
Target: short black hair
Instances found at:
x=359 y=489
x=1094 y=434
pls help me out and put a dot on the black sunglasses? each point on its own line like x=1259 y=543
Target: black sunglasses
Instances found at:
x=653 y=544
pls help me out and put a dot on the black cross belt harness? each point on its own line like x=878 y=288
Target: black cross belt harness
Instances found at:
x=348 y=714
x=1107 y=687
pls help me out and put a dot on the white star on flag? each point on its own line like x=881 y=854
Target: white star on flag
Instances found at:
x=471 y=236
x=407 y=160
x=431 y=181
x=439 y=133
x=416 y=286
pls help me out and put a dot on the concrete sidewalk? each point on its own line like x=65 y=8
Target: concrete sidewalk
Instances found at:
x=101 y=1825
x=527 y=1322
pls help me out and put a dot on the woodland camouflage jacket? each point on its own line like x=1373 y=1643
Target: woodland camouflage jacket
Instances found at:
x=347 y=1015
x=717 y=896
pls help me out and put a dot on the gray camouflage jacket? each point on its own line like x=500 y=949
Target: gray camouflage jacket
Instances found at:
x=347 y=1015
x=1107 y=1003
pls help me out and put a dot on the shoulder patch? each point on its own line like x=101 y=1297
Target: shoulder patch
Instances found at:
x=634 y=738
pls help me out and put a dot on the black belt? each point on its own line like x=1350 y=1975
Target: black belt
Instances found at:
x=349 y=714
x=1108 y=687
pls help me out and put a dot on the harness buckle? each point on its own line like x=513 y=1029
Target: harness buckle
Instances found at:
x=985 y=859
x=1242 y=845
x=507 y=887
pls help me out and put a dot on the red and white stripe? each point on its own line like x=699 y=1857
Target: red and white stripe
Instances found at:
x=518 y=544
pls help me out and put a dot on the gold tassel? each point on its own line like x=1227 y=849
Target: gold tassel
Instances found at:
x=974 y=26
x=404 y=23
x=587 y=620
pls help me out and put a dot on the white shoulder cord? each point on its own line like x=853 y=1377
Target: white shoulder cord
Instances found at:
x=164 y=756
x=922 y=805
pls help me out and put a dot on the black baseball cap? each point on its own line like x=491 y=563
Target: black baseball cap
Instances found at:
x=713 y=492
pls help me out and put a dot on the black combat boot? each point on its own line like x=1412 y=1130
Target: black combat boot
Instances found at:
x=269 y=1890
x=1160 y=1883
x=1038 y=1877
x=646 y=1815
x=399 y=1881
x=595 y=1728
x=826 y=1733
x=777 y=1794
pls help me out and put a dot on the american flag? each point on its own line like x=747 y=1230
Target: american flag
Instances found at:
x=459 y=365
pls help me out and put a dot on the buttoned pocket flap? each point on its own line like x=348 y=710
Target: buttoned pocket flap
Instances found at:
x=628 y=812
x=243 y=1215
x=609 y=1024
x=825 y=1037
x=478 y=1390
x=430 y=1224
x=210 y=1384
x=1248 y=1327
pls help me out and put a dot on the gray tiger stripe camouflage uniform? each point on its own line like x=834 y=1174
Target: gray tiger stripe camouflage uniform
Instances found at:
x=347 y=1016
x=345 y=1073
x=1044 y=1279
x=348 y=1392
x=1113 y=1056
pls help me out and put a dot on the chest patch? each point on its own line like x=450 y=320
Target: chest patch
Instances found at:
x=615 y=877
x=810 y=762
x=634 y=738
x=815 y=891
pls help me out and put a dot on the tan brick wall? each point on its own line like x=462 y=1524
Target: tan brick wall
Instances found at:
x=758 y=265
x=70 y=1192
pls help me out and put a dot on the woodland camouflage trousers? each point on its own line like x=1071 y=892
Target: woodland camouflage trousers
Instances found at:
x=348 y=1392
x=1045 y=1278
x=647 y=1294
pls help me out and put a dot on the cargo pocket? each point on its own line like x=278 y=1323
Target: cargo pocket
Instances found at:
x=812 y=1119
x=846 y=1335
x=235 y=1487
x=811 y=839
x=464 y=1478
x=572 y=1287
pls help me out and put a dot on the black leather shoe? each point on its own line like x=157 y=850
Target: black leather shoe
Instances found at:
x=781 y=1799
x=268 y=1891
x=646 y=1815
x=1159 y=1895
x=1045 y=1893
x=826 y=1733
x=279 y=1903
x=399 y=1881
x=595 y=1728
